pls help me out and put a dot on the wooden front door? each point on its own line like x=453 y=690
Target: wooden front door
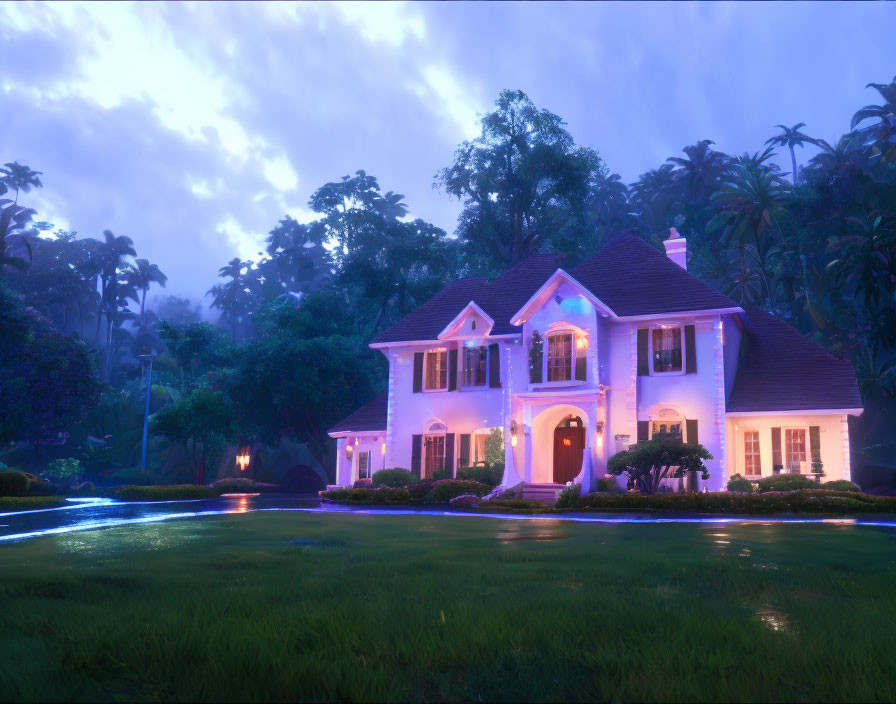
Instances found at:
x=568 y=446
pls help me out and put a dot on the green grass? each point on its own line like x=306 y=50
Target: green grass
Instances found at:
x=29 y=503
x=379 y=608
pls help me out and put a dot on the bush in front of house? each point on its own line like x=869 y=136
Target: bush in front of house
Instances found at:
x=570 y=497
x=13 y=483
x=65 y=471
x=235 y=485
x=739 y=484
x=606 y=484
x=394 y=477
x=786 y=482
x=840 y=485
x=442 y=492
x=483 y=472
x=380 y=495
x=175 y=492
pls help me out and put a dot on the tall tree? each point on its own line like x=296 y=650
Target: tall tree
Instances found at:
x=880 y=136
x=523 y=182
x=18 y=177
x=790 y=137
x=141 y=276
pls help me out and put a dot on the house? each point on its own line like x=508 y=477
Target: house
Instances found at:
x=574 y=366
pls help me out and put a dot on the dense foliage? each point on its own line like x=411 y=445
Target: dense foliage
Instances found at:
x=647 y=464
x=288 y=355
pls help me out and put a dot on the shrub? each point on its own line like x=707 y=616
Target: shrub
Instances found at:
x=606 y=484
x=381 y=495
x=163 y=493
x=13 y=483
x=786 y=482
x=483 y=472
x=420 y=489
x=570 y=497
x=441 y=474
x=394 y=477
x=738 y=483
x=29 y=503
x=442 y=492
x=41 y=487
x=840 y=485
x=64 y=471
x=234 y=485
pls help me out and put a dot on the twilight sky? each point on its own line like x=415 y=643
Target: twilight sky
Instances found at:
x=193 y=128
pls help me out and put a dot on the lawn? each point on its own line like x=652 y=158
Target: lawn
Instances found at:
x=347 y=607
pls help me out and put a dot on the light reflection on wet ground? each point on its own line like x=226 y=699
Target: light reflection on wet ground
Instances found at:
x=91 y=514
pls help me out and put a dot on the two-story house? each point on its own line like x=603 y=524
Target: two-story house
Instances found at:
x=574 y=366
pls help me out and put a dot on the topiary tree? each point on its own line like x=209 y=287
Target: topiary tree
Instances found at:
x=394 y=477
x=648 y=463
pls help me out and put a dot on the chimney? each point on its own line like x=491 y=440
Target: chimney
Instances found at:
x=677 y=248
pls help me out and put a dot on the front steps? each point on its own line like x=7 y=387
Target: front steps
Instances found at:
x=543 y=493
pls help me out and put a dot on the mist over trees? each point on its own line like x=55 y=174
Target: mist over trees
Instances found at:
x=288 y=355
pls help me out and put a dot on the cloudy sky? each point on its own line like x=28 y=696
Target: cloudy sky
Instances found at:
x=193 y=128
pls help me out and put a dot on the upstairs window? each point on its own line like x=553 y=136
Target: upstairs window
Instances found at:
x=436 y=376
x=560 y=357
x=475 y=366
x=667 y=349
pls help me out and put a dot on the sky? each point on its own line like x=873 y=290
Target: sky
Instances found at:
x=193 y=128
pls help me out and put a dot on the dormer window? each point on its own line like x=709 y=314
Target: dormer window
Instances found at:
x=560 y=356
x=436 y=376
x=667 y=348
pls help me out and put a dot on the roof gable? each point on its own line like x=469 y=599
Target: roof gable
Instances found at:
x=472 y=321
x=371 y=417
x=548 y=289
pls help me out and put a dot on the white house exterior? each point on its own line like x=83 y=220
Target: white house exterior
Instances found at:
x=573 y=366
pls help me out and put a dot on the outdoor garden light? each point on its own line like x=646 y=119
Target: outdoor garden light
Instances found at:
x=383 y=449
x=513 y=433
x=242 y=460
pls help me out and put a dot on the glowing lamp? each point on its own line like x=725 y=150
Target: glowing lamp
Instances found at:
x=242 y=460
x=567 y=442
x=383 y=449
x=513 y=440
x=513 y=427
x=581 y=343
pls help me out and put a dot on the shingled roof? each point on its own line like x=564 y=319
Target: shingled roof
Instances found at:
x=369 y=417
x=500 y=298
x=782 y=370
x=628 y=274
x=634 y=278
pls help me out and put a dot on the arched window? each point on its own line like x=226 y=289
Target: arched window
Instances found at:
x=667 y=424
x=434 y=449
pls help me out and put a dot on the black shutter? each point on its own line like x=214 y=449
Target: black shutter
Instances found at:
x=815 y=443
x=418 y=372
x=643 y=357
x=416 y=452
x=777 y=460
x=643 y=430
x=452 y=369
x=581 y=362
x=691 y=428
x=463 y=459
x=494 y=366
x=449 y=454
x=690 y=350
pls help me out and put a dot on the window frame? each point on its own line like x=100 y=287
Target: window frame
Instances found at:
x=443 y=370
x=358 y=454
x=424 y=463
x=806 y=450
x=758 y=452
x=571 y=336
x=652 y=361
x=463 y=368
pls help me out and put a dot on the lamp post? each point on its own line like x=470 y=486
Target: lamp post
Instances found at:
x=144 y=358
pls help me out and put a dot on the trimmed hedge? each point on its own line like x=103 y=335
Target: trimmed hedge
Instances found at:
x=840 y=485
x=786 y=482
x=394 y=477
x=29 y=503
x=807 y=501
x=234 y=485
x=442 y=492
x=163 y=493
x=13 y=483
x=738 y=483
x=482 y=473
x=380 y=495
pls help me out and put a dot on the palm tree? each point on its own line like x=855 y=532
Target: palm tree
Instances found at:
x=233 y=297
x=20 y=177
x=110 y=257
x=790 y=137
x=701 y=171
x=13 y=243
x=653 y=195
x=881 y=136
x=141 y=277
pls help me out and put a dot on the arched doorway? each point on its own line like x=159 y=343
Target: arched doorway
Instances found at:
x=569 y=442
